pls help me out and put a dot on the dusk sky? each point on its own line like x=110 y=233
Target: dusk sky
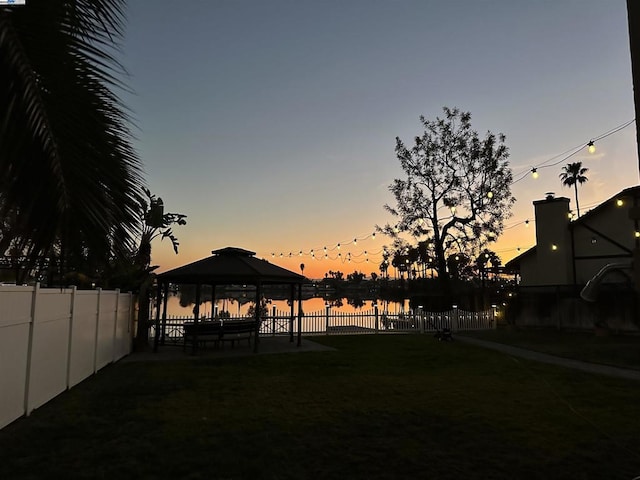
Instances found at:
x=272 y=124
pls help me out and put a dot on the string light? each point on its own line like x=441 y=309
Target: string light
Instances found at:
x=571 y=152
x=363 y=256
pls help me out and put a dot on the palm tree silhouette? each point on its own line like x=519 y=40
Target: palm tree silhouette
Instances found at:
x=572 y=175
x=68 y=169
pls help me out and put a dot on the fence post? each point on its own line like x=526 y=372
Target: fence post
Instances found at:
x=494 y=323
x=454 y=319
x=114 y=343
x=97 y=336
x=34 y=311
x=273 y=320
x=327 y=309
x=130 y=322
x=71 y=323
x=375 y=309
x=421 y=316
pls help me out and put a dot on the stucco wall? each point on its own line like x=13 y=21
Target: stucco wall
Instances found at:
x=614 y=232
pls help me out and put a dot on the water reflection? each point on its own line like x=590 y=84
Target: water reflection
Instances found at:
x=240 y=306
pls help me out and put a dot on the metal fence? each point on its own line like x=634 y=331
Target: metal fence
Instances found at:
x=328 y=322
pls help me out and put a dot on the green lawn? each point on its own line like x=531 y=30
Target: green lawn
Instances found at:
x=379 y=407
x=617 y=350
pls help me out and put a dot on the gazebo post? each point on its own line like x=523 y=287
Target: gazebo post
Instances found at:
x=165 y=298
x=196 y=314
x=256 y=339
x=293 y=301
x=299 y=314
x=156 y=334
x=213 y=301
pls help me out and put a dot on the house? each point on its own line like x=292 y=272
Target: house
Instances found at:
x=568 y=253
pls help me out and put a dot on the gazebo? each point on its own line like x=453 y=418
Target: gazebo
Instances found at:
x=230 y=266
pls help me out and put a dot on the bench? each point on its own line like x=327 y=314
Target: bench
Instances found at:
x=219 y=332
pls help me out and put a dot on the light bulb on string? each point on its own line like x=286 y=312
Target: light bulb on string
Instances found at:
x=373 y=236
x=534 y=173
x=355 y=241
x=338 y=246
x=591 y=147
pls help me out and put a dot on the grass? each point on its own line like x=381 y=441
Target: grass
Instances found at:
x=617 y=350
x=378 y=407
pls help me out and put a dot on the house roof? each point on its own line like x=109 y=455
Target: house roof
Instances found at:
x=627 y=192
x=514 y=263
x=231 y=266
x=634 y=192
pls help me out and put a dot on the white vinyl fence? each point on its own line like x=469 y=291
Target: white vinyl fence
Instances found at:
x=52 y=339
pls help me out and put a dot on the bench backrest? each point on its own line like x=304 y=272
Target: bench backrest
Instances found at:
x=218 y=328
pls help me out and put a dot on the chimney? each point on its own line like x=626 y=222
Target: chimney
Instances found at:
x=553 y=241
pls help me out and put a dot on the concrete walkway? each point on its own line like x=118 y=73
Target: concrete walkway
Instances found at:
x=625 y=373
x=267 y=345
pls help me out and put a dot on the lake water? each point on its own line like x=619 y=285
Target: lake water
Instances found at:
x=311 y=305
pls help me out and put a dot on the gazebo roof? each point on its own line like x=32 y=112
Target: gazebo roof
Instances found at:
x=231 y=266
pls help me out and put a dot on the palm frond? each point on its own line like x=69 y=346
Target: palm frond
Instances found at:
x=67 y=164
